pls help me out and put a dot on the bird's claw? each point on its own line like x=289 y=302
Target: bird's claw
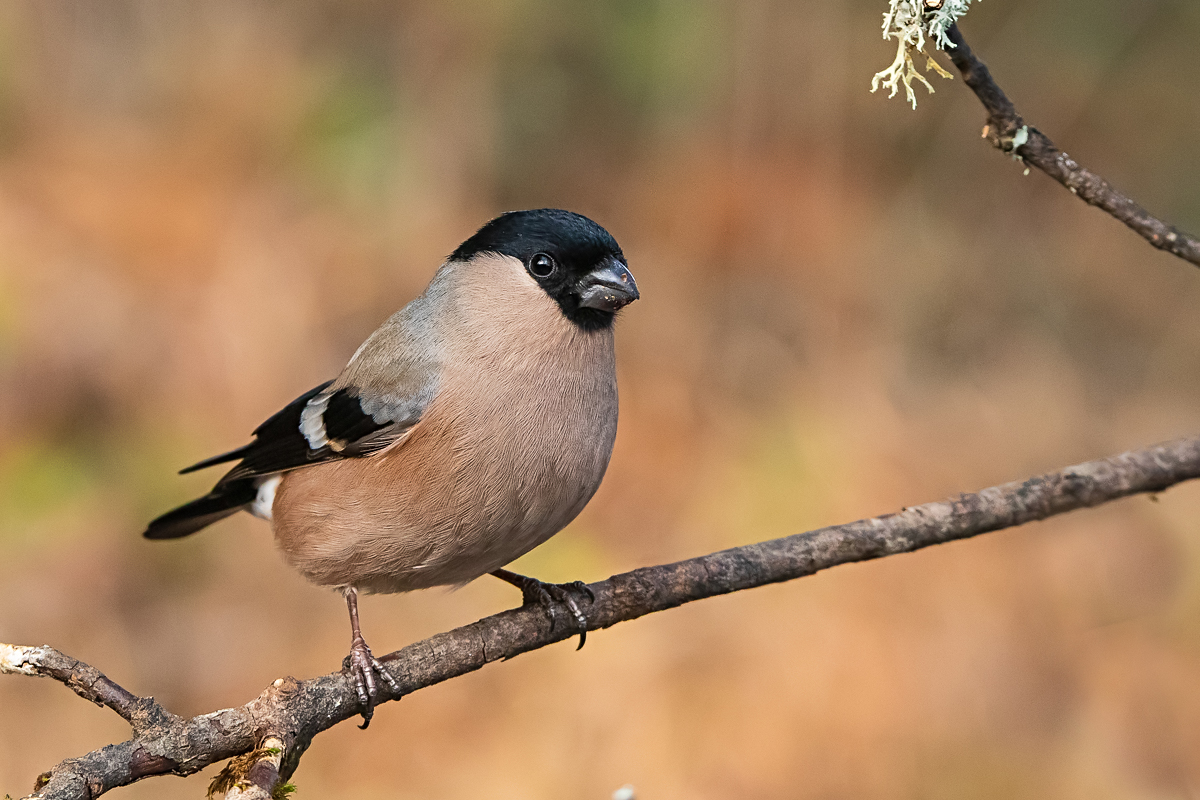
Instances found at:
x=363 y=667
x=551 y=595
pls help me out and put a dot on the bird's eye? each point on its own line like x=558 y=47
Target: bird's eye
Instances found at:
x=542 y=266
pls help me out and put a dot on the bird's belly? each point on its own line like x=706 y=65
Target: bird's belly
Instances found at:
x=458 y=499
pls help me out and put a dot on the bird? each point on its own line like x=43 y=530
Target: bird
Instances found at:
x=470 y=427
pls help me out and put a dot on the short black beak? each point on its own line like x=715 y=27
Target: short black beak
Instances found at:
x=609 y=287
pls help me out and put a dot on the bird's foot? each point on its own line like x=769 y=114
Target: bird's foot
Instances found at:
x=362 y=667
x=552 y=596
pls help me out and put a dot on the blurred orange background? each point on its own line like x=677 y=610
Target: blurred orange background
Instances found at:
x=848 y=306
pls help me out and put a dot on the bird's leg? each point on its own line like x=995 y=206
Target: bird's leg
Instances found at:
x=362 y=665
x=545 y=594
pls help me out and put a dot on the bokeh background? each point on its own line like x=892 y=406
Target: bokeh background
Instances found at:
x=848 y=307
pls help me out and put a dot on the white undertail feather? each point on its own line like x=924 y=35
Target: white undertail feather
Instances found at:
x=266 y=498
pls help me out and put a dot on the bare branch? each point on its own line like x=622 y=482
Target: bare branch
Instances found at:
x=290 y=712
x=86 y=681
x=1004 y=130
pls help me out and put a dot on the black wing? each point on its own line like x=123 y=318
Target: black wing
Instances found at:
x=274 y=429
x=318 y=426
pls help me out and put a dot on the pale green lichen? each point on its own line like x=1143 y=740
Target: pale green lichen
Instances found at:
x=914 y=24
x=1019 y=138
x=941 y=16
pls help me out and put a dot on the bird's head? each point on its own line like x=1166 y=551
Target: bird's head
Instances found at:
x=574 y=260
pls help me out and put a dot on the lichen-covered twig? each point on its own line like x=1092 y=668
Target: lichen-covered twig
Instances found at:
x=913 y=24
x=1008 y=131
x=165 y=744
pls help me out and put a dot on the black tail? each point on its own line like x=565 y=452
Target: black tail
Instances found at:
x=216 y=505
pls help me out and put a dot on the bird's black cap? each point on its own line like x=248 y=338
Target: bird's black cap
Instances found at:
x=579 y=247
x=522 y=234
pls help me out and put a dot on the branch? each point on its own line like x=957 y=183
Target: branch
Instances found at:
x=289 y=713
x=1003 y=130
x=87 y=682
